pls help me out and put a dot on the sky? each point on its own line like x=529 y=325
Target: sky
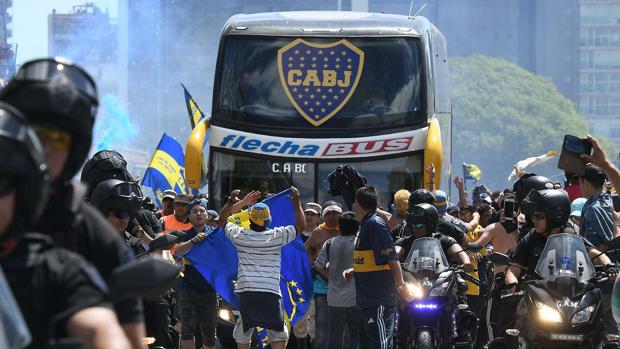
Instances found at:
x=30 y=23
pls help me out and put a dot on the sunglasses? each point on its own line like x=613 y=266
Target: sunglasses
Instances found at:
x=7 y=184
x=538 y=216
x=57 y=139
x=120 y=214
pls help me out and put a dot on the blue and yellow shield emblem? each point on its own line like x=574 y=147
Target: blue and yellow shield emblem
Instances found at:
x=319 y=79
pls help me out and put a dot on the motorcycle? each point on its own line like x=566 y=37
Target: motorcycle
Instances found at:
x=563 y=306
x=436 y=314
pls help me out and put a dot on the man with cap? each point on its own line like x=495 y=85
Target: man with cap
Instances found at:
x=259 y=250
x=312 y=210
x=197 y=298
x=167 y=200
x=179 y=220
x=596 y=219
x=325 y=231
x=575 y=213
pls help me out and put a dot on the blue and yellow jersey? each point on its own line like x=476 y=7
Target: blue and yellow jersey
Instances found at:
x=374 y=248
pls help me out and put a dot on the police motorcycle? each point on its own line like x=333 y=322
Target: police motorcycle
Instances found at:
x=436 y=314
x=563 y=305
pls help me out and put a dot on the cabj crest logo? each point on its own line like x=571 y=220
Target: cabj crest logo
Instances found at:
x=319 y=79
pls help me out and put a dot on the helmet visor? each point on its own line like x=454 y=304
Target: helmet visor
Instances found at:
x=128 y=190
x=531 y=202
x=52 y=69
x=12 y=127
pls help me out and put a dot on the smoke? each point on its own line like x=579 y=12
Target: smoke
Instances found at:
x=113 y=128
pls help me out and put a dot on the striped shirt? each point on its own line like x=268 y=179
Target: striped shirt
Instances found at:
x=259 y=256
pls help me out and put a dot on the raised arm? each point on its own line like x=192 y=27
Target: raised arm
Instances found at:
x=234 y=202
x=599 y=158
x=300 y=217
x=460 y=185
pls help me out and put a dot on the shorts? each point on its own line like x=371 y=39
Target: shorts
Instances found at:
x=197 y=307
x=246 y=337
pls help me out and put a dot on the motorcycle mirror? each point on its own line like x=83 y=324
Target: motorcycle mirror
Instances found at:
x=499 y=259
x=147 y=277
x=163 y=242
x=474 y=247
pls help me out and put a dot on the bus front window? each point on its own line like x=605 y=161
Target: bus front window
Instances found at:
x=269 y=176
x=390 y=92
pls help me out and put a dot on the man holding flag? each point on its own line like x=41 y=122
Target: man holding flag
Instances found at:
x=258 y=284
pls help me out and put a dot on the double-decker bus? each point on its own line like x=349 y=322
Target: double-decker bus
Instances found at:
x=298 y=93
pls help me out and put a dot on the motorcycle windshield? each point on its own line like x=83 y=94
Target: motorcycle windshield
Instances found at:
x=426 y=254
x=565 y=255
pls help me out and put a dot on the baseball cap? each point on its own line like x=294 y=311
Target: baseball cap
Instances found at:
x=169 y=194
x=331 y=208
x=260 y=214
x=594 y=174
x=441 y=202
x=212 y=215
x=181 y=198
x=312 y=207
x=576 y=206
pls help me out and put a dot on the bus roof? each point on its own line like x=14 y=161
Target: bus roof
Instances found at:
x=325 y=23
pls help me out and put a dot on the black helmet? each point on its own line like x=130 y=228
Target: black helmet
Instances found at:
x=424 y=214
x=420 y=196
x=105 y=164
x=529 y=182
x=117 y=195
x=553 y=202
x=56 y=93
x=24 y=167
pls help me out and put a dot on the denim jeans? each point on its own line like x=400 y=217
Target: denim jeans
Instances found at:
x=379 y=323
x=345 y=327
x=321 y=321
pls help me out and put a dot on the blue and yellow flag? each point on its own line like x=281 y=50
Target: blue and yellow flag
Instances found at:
x=166 y=169
x=216 y=260
x=472 y=172
x=195 y=114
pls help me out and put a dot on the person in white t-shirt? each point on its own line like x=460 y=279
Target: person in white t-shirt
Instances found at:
x=258 y=277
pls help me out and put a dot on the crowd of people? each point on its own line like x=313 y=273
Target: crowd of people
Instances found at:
x=62 y=241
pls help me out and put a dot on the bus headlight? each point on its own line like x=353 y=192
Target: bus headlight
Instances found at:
x=414 y=290
x=548 y=314
x=226 y=315
x=583 y=315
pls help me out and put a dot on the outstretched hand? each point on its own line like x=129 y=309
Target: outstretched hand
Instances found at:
x=250 y=198
x=295 y=195
x=458 y=182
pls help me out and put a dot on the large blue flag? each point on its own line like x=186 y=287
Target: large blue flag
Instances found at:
x=166 y=169
x=216 y=259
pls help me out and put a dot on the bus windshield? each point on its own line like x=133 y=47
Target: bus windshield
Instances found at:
x=390 y=92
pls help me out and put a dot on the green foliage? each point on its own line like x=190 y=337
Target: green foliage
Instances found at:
x=502 y=114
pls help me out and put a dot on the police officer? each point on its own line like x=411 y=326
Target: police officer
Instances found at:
x=418 y=196
x=119 y=201
x=58 y=292
x=60 y=100
x=110 y=164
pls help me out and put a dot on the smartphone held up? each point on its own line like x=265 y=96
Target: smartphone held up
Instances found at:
x=570 y=157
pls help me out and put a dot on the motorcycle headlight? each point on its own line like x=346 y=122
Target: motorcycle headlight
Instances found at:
x=583 y=315
x=548 y=314
x=414 y=290
x=226 y=315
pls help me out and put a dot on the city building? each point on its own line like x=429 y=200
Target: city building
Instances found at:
x=87 y=36
x=7 y=52
x=599 y=66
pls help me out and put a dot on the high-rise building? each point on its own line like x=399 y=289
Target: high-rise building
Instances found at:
x=87 y=36
x=7 y=53
x=599 y=66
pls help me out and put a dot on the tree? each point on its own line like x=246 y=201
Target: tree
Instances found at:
x=502 y=114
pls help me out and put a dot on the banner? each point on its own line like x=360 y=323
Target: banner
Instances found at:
x=166 y=169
